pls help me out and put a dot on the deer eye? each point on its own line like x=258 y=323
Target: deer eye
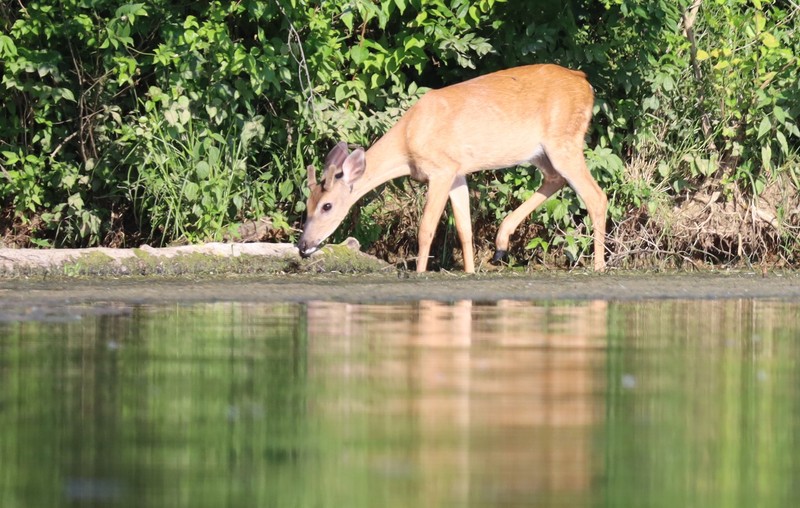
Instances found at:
x=327 y=207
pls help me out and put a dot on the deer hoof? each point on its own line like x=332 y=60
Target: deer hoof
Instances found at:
x=500 y=256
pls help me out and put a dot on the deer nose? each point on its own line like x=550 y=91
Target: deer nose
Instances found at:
x=301 y=246
x=305 y=248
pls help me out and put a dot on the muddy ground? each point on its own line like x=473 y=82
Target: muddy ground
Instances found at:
x=394 y=287
x=35 y=280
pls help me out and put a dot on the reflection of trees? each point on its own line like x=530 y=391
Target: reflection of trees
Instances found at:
x=512 y=383
x=714 y=412
x=421 y=404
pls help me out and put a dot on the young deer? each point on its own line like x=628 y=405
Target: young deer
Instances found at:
x=534 y=113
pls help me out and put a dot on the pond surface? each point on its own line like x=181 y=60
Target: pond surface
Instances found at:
x=322 y=404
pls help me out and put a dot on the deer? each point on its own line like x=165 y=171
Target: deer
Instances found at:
x=536 y=114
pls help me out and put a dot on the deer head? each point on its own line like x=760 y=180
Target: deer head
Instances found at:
x=332 y=197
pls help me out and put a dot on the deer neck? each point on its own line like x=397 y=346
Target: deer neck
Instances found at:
x=386 y=160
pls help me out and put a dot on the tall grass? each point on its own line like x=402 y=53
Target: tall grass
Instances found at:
x=187 y=182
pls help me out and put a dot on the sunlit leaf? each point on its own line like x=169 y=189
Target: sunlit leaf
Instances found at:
x=766 y=157
x=764 y=127
x=75 y=201
x=203 y=169
x=359 y=54
x=769 y=40
x=782 y=142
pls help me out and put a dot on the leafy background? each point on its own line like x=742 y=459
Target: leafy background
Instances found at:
x=167 y=121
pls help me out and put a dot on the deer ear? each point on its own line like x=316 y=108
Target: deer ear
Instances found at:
x=312 y=176
x=354 y=166
x=337 y=156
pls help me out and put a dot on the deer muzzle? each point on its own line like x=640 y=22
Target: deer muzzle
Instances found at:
x=306 y=247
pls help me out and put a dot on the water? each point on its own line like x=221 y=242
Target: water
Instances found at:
x=639 y=403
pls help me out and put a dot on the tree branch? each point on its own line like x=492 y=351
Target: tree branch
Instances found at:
x=689 y=18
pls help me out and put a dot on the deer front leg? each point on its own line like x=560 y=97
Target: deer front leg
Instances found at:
x=438 y=191
x=459 y=200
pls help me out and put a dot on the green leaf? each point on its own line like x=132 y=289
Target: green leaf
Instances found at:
x=75 y=201
x=473 y=14
x=341 y=93
x=769 y=40
x=558 y=210
x=7 y=46
x=286 y=188
x=538 y=242
x=707 y=167
x=171 y=116
x=129 y=12
x=651 y=103
x=780 y=114
x=190 y=22
x=766 y=157
x=761 y=21
x=202 y=170
x=238 y=202
x=413 y=42
x=190 y=191
x=359 y=54
x=347 y=19
x=11 y=157
x=664 y=169
x=185 y=116
x=63 y=93
x=782 y=142
x=764 y=127
x=759 y=185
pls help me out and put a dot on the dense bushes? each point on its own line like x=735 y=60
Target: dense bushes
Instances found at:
x=164 y=120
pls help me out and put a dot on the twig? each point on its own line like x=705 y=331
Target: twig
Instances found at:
x=22 y=7
x=61 y=145
x=6 y=173
x=689 y=18
x=302 y=63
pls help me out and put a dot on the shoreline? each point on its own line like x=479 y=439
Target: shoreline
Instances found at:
x=396 y=287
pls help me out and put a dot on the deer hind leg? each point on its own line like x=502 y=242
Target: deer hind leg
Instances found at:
x=459 y=200
x=438 y=192
x=572 y=166
x=553 y=181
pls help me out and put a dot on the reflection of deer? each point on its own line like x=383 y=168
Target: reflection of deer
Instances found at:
x=511 y=383
x=534 y=113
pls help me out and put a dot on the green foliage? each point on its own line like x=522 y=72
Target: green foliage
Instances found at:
x=752 y=68
x=162 y=121
x=189 y=182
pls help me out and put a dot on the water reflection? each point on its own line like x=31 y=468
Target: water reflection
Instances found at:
x=513 y=390
x=423 y=404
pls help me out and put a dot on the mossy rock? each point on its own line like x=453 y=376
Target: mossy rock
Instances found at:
x=344 y=258
x=204 y=262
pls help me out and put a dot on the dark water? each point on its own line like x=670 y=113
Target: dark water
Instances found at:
x=641 y=403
